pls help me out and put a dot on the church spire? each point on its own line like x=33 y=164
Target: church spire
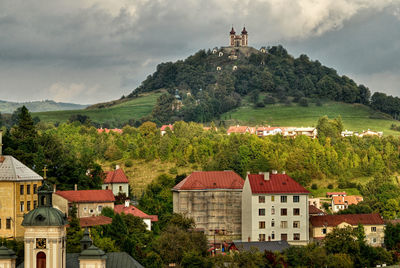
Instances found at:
x=232 y=31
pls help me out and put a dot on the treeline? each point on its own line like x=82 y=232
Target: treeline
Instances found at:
x=386 y=104
x=207 y=93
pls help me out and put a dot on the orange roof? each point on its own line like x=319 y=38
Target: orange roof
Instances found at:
x=134 y=211
x=277 y=183
x=106 y=130
x=240 y=129
x=352 y=219
x=94 y=221
x=87 y=196
x=349 y=200
x=164 y=127
x=201 y=180
x=116 y=176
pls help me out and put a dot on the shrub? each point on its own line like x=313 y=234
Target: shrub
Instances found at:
x=128 y=163
x=330 y=186
x=260 y=104
x=303 y=102
x=269 y=100
x=314 y=186
x=173 y=170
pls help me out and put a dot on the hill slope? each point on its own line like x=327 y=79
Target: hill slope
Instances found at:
x=38 y=106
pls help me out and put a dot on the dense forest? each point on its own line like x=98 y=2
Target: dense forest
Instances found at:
x=198 y=92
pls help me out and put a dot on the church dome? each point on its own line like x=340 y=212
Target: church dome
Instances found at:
x=244 y=30
x=45 y=216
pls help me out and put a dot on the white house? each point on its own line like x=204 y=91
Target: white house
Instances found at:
x=116 y=181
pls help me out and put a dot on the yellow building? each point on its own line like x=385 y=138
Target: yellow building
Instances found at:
x=374 y=226
x=18 y=192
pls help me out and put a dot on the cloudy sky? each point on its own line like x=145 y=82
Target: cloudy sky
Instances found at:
x=86 y=51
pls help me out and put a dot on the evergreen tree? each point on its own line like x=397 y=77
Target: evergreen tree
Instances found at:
x=74 y=232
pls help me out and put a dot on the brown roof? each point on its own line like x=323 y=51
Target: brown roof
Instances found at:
x=352 y=219
x=349 y=200
x=201 y=180
x=134 y=211
x=313 y=210
x=277 y=183
x=116 y=176
x=94 y=221
x=87 y=196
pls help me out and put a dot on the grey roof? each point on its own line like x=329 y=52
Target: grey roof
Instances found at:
x=263 y=245
x=114 y=260
x=93 y=252
x=13 y=170
x=6 y=253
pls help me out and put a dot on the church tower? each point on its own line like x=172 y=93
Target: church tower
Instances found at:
x=244 y=37
x=232 y=37
x=241 y=40
x=45 y=233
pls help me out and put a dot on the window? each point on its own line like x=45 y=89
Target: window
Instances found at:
x=261 y=224
x=28 y=205
x=324 y=231
x=373 y=229
x=283 y=211
x=21 y=206
x=107 y=187
x=284 y=237
x=273 y=223
x=261 y=199
x=91 y=210
x=284 y=224
x=296 y=211
x=120 y=188
x=374 y=240
x=35 y=188
x=21 y=189
x=261 y=212
x=34 y=204
x=273 y=210
x=283 y=199
x=296 y=236
x=99 y=208
x=8 y=223
x=296 y=224
x=273 y=198
x=28 y=189
x=261 y=237
x=273 y=236
x=84 y=209
x=296 y=199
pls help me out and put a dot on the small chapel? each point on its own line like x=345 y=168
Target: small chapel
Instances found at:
x=238 y=40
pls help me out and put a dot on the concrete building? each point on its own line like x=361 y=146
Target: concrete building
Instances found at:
x=116 y=181
x=373 y=226
x=127 y=208
x=275 y=207
x=88 y=202
x=18 y=191
x=213 y=200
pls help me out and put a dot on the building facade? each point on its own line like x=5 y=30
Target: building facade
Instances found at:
x=275 y=207
x=213 y=200
x=241 y=40
x=18 y=191
x=127 y=208
x=116 y=181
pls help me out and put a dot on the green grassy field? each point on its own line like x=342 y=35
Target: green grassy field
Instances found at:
x=133 y=109
x=355 y=117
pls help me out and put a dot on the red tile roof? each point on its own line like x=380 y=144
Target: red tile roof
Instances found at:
x=164 y=127
x=352 y=219
x=87 y=196
x=94 y=221
x=201 y=180
x=134 y=211
x=313 y=210
x=116 y=176
x=277 y=183
x=347 y=200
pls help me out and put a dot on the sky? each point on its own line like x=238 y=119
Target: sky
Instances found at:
x=93 y=51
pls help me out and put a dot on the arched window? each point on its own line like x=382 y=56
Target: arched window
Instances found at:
x=41 y=260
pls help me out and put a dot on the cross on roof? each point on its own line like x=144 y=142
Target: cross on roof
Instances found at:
x=44 y=172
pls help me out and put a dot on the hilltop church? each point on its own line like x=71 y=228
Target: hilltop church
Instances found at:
x=238 y=40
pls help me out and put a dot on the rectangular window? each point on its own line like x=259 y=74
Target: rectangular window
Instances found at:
x=296 y=211
x=296 y=199
x=28 y=205
x=8 y=223
x=273 y=198
x=120 y=188
x=373 y=229
x=284 y=237
x=21 y=206
x=374 y=240
x=284 y=224
x=34 y=204
x=21 y=189
x=283 y=211
x=99 y=208
x=28 y=189
x=261 y=212
x=261 y=224
x=35 y=188
x=261 y=199
x=296 y=224
x=324 y=231
x=283 y=199
x=272 y=236
x=261 y=237
x=296 y=236
x=272 y=223
x=273 y=211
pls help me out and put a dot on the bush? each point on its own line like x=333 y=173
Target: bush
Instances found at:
x=128 y=163
x=330 y=186
x=173 y=170
x=303 y=102
x=314 y=186
x=260 y=104
x=269 y=100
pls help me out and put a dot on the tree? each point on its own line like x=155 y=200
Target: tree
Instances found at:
x=392 y=236
x=74 y=232
x=329 y=128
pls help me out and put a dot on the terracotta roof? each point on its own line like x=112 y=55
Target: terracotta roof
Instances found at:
x=349 y=200
x=352 y=219
x=240 y=129
x=277 y=183
x=94 y=221
x=134 y=211
x=201 y=180
x=335 y=193
x=313 y=210
x=87 y=196
x=116 y=176
x=164 y=127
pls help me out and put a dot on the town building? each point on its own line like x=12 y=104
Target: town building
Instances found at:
x=314 y=211
x=241 y=40
x=88 y=202
x=370 y=133
x=213 y=200
x=163 y=129
x=116 y=181
x=240 y=130
x=343 y=202
x=333 y=194
x=267 y=131
x=275 y=207
x=307 y=131
x=373 y=226
x=18 y=191
x=127 y=208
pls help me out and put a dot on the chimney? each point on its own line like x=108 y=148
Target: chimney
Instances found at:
x=54 y=188
x=248 y=172
x=283 y=172
x=127 y=202
x=266 y=175
x=274 y=171
x=76 y=187
x=116 y=167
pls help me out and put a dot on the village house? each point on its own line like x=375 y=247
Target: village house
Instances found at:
x=116 y=181
x=348 y=133
x=163 y=129
x=332 y=194
x=343 y=202
x=289 y=132
x=275 y=207
x=267 y=131
x=373 y=226
x=370 y=133
x=88 y=202
x=106 y=130
x=240 y=130
x=314 y=211
x=127 y=208
x=307 y=131
x=213 y=200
